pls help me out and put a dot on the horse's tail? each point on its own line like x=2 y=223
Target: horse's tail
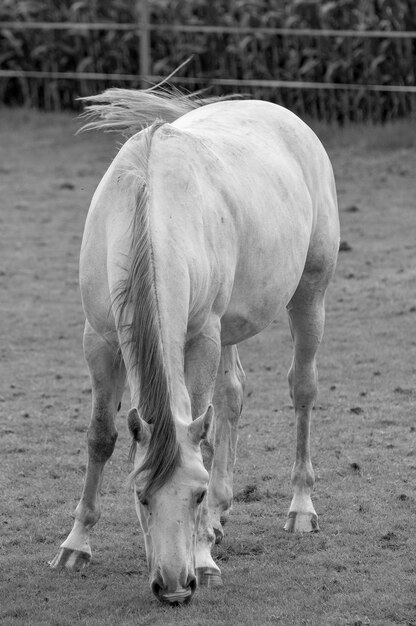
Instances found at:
x=130 y=110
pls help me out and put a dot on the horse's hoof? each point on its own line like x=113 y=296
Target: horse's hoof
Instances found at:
x=208 y=577
x=70 y=559
x=302 y=522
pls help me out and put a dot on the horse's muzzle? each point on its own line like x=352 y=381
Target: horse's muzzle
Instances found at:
x=174 y=598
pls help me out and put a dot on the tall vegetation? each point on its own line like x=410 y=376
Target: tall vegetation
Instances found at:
x=254 y=55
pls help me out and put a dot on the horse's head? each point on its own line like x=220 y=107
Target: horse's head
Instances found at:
x=169 y=515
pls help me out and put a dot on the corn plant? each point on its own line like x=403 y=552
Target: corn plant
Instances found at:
x=243 y=56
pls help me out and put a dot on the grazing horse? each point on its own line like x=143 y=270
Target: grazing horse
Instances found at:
x=210 y=220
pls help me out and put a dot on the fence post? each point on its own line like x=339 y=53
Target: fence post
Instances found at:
x=144 y=46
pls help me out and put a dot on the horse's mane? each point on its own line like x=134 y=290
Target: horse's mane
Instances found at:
x=138 y=314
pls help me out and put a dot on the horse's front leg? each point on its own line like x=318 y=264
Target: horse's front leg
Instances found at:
x=107 y=378
x=202 y=356
x=228 y=404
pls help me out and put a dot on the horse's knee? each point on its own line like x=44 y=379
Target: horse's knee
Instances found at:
x=101 y=442
x=234 y=401
x=221 y=494
x=303 y=384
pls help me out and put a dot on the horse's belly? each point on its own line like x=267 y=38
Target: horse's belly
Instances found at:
x=266 y=277
x=251 y=310
x=236 y=327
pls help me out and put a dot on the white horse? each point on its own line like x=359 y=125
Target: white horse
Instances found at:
x=205 y=225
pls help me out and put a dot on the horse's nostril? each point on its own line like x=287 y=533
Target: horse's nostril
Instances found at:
x=156 y=587
x=192 y=584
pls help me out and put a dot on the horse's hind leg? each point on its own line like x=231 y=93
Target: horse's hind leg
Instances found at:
x=306 y=315
x=228 y=403
x=107 y=379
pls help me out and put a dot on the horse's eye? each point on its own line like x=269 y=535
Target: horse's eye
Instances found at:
x=142 y=500
x=200 y=497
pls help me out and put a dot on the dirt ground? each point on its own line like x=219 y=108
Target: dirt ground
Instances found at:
x=361 y=567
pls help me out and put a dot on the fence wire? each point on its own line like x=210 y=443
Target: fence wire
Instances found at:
x=327 y=73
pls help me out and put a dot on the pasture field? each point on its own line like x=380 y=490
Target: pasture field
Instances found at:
x=361 y=568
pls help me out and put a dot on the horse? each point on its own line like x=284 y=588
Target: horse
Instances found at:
x=214 y=215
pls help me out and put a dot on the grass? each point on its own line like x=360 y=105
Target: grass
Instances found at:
x=360 y=569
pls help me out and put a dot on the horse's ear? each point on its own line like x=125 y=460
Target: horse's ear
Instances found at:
x=139 y=429
x=199 y=429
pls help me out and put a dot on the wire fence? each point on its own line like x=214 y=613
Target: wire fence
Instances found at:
x=313 y=71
